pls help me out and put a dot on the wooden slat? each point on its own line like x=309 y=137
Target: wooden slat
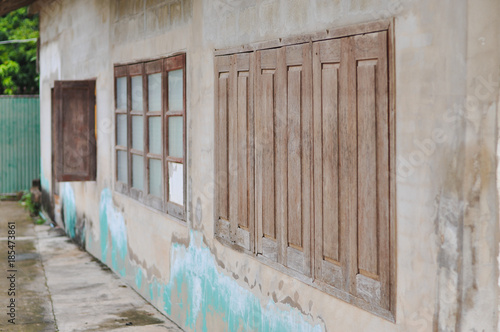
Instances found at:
x=251 y=154
x=281 y=169
x=367 y=168
x=317 y=161
x=348 y=164
x=268 y=220
x=307 y=158
x=222 y=146
x=329 y=94
x=233 y=148
x=389 y=283
x=259 y=152
x=242 y=102
x=383 y=171
x=294 y=158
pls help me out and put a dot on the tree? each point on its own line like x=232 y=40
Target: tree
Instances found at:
x=18 y=60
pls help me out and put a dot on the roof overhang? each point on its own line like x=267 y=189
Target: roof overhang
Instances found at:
x=6 y=6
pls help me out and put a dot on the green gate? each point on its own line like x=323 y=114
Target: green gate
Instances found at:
x=19 y=142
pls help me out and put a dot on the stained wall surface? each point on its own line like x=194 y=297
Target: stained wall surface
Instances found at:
x=447 y=62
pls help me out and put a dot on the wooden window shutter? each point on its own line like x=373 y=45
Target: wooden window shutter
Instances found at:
x=75 y=145
x=352 y=169
x=234 y=105
x=317 y=148
x=330 y=260
x=370 y=94
x=283 y=122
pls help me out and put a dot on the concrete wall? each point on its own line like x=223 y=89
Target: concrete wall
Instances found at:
x=447 y=86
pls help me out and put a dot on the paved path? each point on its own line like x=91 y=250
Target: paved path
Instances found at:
x=55 y=286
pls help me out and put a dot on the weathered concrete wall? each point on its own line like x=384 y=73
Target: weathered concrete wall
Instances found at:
x=447 y=224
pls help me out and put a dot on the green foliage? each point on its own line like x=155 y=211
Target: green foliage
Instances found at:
x=18 y=60
x=29 y=204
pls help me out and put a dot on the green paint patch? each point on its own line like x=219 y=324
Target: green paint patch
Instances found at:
x=113 y=233
x=138 y=278
x=69 y=210
x=198 y=293
x=197 y=296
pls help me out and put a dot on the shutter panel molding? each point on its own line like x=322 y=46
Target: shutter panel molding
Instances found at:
x=75 y=145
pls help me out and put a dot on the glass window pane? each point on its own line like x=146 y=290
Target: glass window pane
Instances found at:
x=175 y=142
x=155 y=178
x=175 y=90
x=121 y=129
x=155 y=134
x=121 y=93
x=137 y=172
x=154 y=92
x=176 y=183
x=137 y=93
x=137 y=133
x=121 y=161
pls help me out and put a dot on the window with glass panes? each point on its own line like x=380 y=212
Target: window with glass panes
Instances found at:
x=150 y=146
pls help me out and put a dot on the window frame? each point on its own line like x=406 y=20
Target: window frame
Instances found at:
x=223 y=232
x=144 y=69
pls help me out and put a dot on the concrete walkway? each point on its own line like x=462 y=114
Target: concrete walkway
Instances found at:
x=52 y=285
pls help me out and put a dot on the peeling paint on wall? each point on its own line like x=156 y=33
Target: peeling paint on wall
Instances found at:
x=197 y=293
x=197 y=290
x=112 y=225
x=69 y=209
x=138 y=278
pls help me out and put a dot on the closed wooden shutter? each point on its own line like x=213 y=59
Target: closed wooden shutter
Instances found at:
x=234 y=104
x=322 y=131
x=283 y=119
x=75 y=145
x=371 y=98
x=352 y=168
x=329 y=92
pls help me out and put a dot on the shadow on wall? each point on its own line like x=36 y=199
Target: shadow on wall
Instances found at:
x=197 y=293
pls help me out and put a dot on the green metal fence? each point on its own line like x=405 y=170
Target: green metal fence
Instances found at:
x=19 y=142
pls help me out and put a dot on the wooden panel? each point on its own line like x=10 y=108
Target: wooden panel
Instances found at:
x=75 y=123
x=153 y=67
x=121 y=71
x=222 y=146
x=294 y=158
x=329 y=94
x=242 y=103
x=317 y=161
x=348 y=164
x=174 y=62
x=268 y=220
x=280 y=154
x=383 y=170
x=251 y=153
x=367 y=168
x=306 y=158
x=233 y=147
